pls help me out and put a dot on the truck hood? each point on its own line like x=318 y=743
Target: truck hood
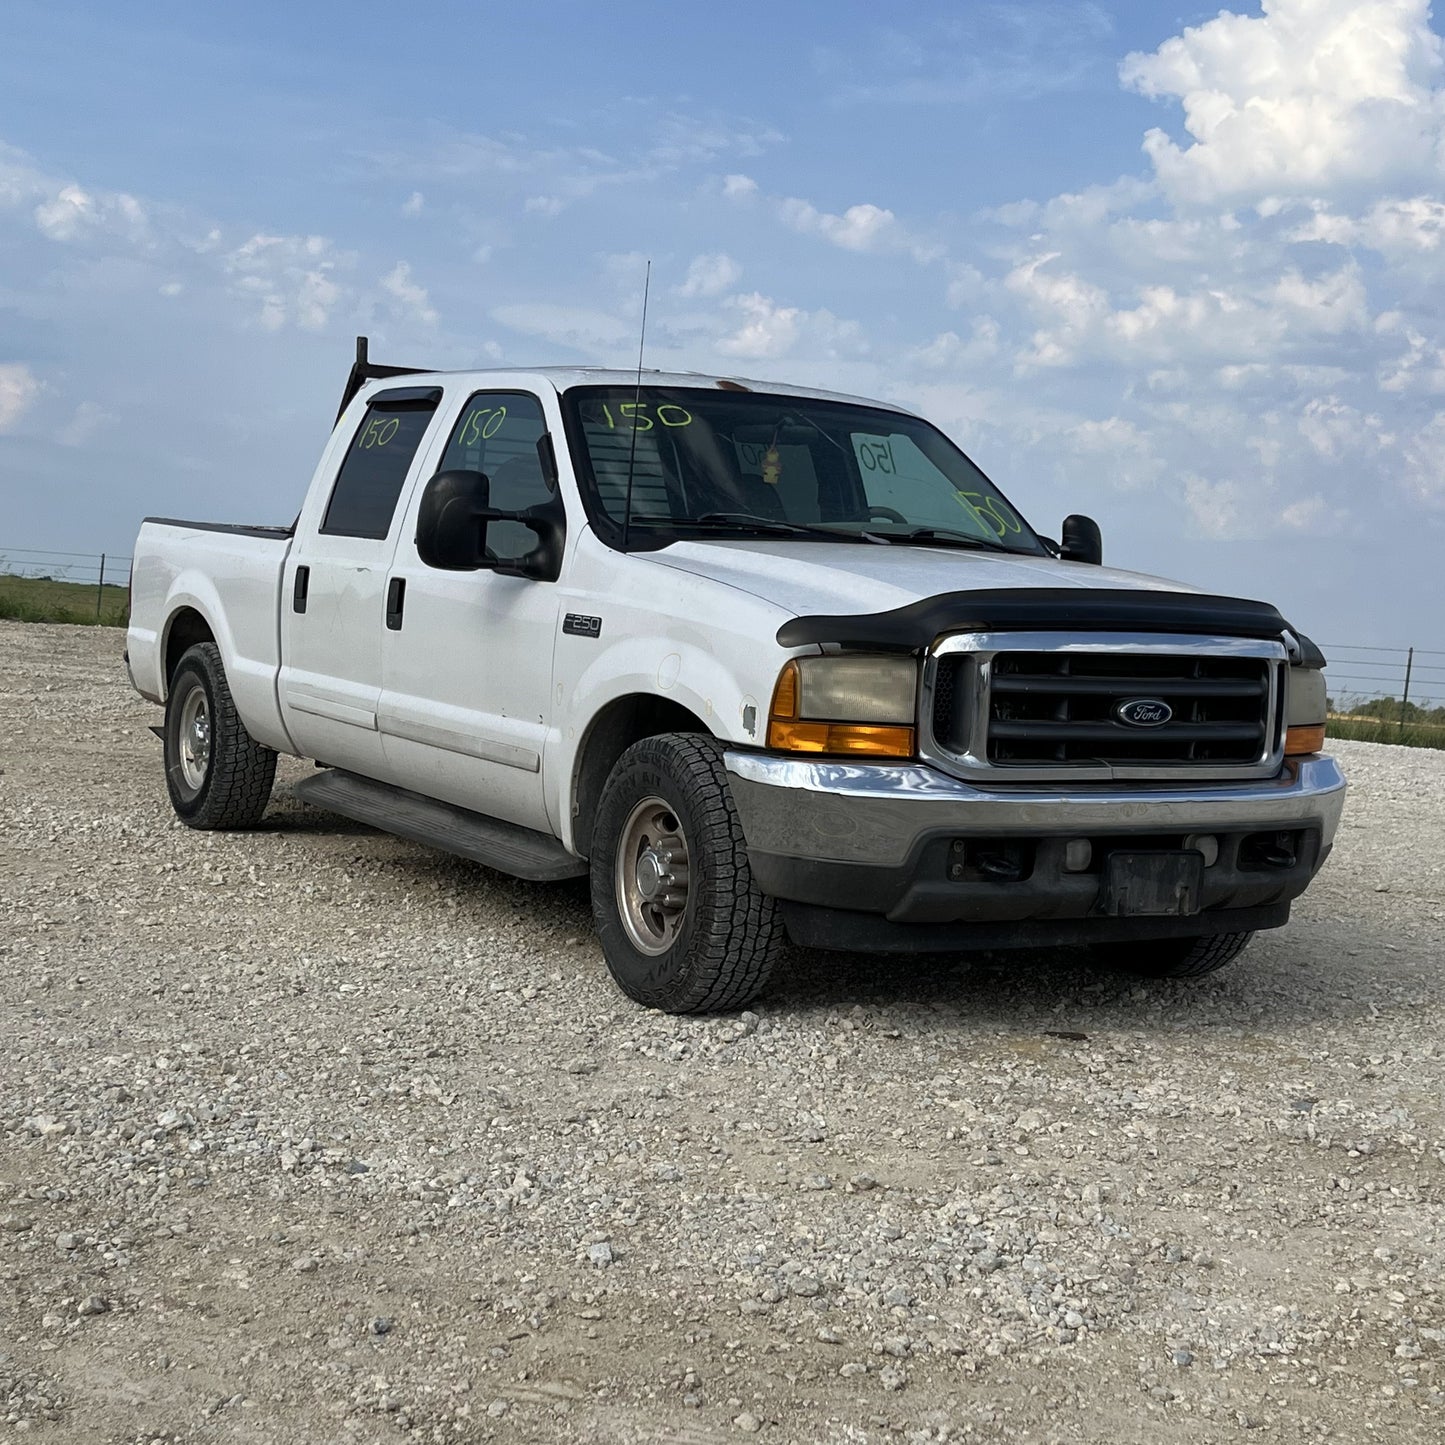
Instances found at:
x=853 y=577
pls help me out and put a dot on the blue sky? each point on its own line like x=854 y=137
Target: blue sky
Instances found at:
x=1175 y=267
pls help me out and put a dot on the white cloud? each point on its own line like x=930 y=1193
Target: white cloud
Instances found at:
x=89 y=419
x=864 y=227
x=1400 y=229
x=1235 y=316
x=62 y=217
x=1335 y=429
x=596 y=333
x=1420 y=367
x=860 y=228
x=18 y=390
x=737 y=188
x=768 y=331
x=72 y=213
x=710 y=275
x=1125 y=454
x=1310 y=97
x=548 y=206
x=412 y=299
x=1424 y=455
x=948 y=351
x=1314 y=516
x=290 y=279
x=414 y=204
x=1219 y=509
x=1072 y=305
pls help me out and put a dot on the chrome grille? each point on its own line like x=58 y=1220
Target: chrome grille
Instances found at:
x=1061 y=707
x=1049 y=706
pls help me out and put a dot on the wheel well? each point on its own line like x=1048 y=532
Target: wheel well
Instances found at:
x=621 y=723
x=187 y=628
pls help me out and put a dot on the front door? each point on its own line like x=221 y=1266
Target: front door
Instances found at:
x=467 y=676
x=333 y=600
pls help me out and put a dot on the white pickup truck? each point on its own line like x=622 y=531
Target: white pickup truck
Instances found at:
x=763 y=661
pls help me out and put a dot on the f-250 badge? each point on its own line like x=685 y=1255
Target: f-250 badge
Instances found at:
x=580 y=626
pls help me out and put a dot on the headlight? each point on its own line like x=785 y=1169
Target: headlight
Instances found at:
x=1305 y=709
x=845 y=705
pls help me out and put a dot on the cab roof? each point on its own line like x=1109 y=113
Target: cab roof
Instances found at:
x=565 y=378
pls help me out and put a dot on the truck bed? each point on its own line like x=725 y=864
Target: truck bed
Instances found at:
x=229 y=577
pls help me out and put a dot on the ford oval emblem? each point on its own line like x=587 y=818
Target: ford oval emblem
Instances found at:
x=1143 y=712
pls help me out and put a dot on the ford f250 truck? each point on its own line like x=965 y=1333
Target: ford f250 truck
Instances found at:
x=762 y=661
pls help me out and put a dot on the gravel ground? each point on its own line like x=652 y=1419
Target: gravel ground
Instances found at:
x=308 y=1134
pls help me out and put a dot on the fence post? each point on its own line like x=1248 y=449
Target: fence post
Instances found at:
x=1405 y=700
x=100 y=587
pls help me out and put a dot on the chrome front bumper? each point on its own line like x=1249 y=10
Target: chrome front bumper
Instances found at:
x=902 y=857
x=877 y=814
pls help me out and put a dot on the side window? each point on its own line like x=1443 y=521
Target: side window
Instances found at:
x=497 y=434
x=375 y=466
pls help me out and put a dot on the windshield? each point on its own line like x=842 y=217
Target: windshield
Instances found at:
x=713 y=462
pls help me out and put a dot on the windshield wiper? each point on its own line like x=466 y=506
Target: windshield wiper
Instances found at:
x=776 y=526
x=959 y=539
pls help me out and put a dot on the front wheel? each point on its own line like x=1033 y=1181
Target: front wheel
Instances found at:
x=683 y=926
x=1176 y=957
x=217 y=774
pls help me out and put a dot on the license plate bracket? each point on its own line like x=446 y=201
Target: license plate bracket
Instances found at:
x=1159 y=883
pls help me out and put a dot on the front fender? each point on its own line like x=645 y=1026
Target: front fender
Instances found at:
x=686 y=671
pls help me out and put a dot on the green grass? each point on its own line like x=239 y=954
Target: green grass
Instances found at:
x=1381 y=730
x=38 y=599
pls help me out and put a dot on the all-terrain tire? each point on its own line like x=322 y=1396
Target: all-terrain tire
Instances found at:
x=1176 y=957
x=682 y=924
x=217 y=774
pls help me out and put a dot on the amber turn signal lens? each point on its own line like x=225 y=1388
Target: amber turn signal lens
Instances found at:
x=1301 y=740
x=851 y=739
x=785 y=695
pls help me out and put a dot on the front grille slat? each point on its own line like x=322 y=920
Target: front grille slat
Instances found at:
x=1049 y=733
x=1120 y=686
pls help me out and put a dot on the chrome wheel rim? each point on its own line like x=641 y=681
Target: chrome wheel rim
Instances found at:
x=193 y=739
x=652 y=876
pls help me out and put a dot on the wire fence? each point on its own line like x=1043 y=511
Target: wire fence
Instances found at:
x=97 y=567
x=1388 y=684
x=81 y=570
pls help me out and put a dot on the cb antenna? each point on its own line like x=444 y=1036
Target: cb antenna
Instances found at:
x=636 y=403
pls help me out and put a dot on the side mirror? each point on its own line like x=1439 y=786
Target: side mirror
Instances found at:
x=1082 y=541
x=451 y=529
x=451 y=523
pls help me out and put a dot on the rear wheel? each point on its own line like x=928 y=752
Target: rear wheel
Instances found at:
x=1176 y=957
x=682 y=924
x=217 y=774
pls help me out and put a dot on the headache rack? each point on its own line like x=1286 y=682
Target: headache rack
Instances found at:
x=363 y=369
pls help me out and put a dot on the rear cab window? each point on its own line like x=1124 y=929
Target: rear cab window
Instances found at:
x=374 y=470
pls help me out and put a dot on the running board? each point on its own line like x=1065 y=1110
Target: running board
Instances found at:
x=504 y=846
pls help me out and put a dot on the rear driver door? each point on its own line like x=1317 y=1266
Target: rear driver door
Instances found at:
x=333 y=600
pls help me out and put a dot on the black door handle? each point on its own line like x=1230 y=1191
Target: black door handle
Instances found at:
x=300 y=589
x=395 y=602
